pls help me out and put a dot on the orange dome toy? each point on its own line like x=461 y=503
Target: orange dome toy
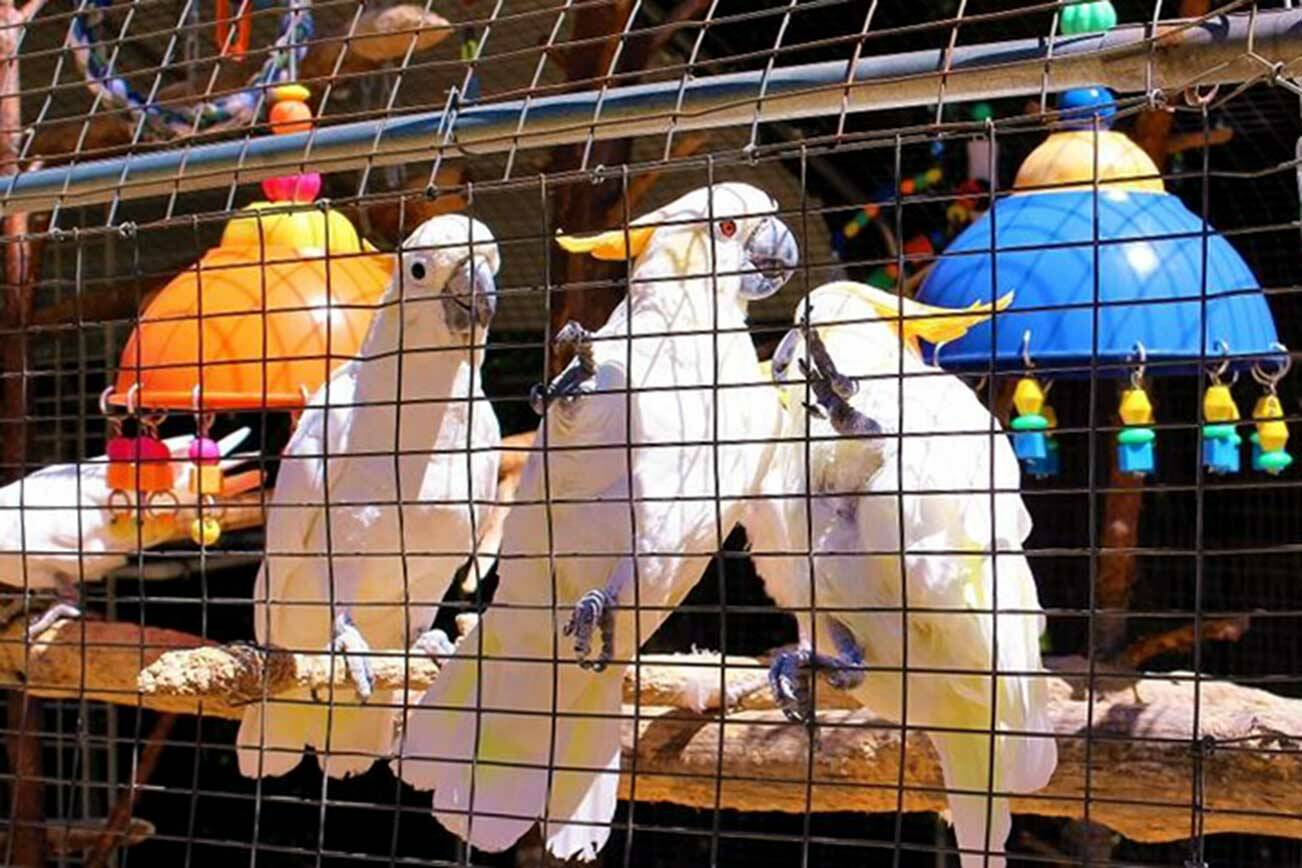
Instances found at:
x=260 y=321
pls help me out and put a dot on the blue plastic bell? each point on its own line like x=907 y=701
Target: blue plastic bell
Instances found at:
x=1221 y=449
x=1135 y=451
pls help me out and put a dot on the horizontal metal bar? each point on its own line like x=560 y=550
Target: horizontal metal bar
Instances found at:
x=1126 y=59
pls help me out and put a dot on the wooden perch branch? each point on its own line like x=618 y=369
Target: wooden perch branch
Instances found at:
x=1141 y=770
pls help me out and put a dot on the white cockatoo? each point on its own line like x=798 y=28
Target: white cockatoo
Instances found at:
x=914 y=460
x=380 y=496
x=56 y=528
x=648 y=437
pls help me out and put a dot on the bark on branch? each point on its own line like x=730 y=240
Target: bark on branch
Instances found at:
x=1141 y=771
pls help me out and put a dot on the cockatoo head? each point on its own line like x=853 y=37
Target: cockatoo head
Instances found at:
x=446 y=276
x=731 y=230
x=882 y=322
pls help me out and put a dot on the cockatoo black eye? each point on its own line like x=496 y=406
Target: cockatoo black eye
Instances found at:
x=727 y=228
x=418 y=270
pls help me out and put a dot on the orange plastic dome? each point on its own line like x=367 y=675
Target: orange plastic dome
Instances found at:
x=270 y=294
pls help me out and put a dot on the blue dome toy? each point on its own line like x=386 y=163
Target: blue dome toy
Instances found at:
x=1110 y=273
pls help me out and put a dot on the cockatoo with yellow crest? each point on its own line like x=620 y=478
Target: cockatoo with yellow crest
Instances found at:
x=911 y=460
x=381 y=493
x=652 y=439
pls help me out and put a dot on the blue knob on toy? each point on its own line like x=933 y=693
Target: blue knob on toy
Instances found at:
x=1029 y=441
x=1135 y=451
x=1221 y=449
x=1049 y=465
x=1080 y=105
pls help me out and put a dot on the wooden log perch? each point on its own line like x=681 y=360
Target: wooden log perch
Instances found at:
x=1141 y=772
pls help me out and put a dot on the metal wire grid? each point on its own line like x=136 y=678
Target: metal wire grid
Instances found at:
x=877 y=148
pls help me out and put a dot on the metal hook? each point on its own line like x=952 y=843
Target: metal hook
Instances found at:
x=1271 y=380
x=132 y=406
x=1218 y=371
x=202 y=421
x=1026 y=350
x=1137 y=375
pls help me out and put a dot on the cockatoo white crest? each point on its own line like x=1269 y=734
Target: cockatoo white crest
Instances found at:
x=673 y=369
x=968 y=586
x=380 y=496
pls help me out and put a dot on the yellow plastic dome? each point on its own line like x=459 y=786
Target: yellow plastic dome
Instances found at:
x=1066 y=161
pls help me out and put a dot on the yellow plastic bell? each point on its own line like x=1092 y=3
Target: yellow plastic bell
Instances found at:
x=1272 y=432
x=1028 y=397
x=205 y=531
x=1218 y=404
x=1135 y=408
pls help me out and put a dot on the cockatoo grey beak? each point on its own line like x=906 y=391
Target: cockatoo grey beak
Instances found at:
x=471 y=293
x=771 y=256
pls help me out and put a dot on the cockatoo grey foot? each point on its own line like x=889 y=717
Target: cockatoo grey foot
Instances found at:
x=435 y=645
x=842 y=386
x=570 y=384
x=45 y=620
x=833 y=406
x=347 y=640
x=595 y=611
x=792 y=671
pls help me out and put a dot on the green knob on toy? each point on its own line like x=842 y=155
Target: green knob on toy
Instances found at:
x=982 y=112
x=1275 y=462
x=1030 y=422
x=1136 y=436
x=1091 y=17
x=1219 y=432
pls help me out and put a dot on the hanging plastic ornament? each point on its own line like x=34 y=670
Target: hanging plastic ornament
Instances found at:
x=1271 y=437
x=1029 y=440
x=1051 y=464
x=139 y=471
x=1078 y=18
x=206 y=483
x=1221 y=440
x=1135 y=441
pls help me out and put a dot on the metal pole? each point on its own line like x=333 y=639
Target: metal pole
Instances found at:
x=1212 y=52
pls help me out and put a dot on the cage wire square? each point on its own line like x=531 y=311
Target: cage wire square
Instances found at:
x=852 y=615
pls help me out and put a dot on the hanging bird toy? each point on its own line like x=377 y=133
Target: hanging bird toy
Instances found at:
x=1272 y=431
x=1135 y=441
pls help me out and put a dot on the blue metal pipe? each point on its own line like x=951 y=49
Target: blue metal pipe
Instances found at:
x=1124 y=59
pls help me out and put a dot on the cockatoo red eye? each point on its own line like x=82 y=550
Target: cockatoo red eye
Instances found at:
x=727 y=228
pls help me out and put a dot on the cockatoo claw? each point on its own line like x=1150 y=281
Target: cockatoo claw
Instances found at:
x=348 y=641
x=574 y=335
x=596 y=610
x=832 y=391
x=47 y=619
x=789 y=679
x=792 y=671
x=434 y=644
x=569 y=385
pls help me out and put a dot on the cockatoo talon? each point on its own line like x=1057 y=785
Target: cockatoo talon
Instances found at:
x=434 y=644
x=595 y=611
x=348 y=642
x=832 y=391
x=46 y=620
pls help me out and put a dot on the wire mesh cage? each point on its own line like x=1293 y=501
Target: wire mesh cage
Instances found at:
x=656 y=433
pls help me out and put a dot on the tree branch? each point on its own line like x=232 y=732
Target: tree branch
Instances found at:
x=1149 y=728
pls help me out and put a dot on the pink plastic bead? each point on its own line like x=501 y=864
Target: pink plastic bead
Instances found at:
x=292 y=188
x=204 y=450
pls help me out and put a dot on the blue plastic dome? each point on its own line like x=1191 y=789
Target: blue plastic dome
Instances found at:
x=1150 y=277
